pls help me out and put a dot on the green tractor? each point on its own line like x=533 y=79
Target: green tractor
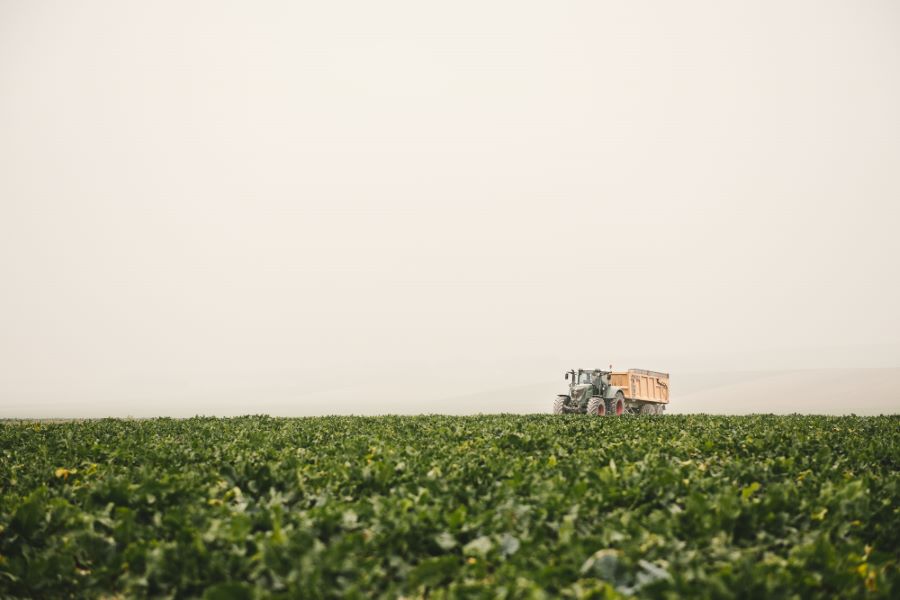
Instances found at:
x=590 y=392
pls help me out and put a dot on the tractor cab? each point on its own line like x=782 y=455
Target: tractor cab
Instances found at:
x=593 y=377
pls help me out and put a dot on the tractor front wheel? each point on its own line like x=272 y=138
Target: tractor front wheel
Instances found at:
x=615 y=407
x=596 y=406
x=559 y=405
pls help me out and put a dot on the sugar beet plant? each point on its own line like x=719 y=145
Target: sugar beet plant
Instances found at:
x=444 y=507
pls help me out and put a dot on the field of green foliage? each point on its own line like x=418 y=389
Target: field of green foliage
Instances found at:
x=443 y=507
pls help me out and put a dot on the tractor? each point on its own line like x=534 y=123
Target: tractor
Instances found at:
x=614 y=393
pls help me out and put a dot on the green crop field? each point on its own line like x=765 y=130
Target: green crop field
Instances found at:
x=486 y=506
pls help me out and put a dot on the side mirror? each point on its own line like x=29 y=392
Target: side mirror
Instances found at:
x=567 y=375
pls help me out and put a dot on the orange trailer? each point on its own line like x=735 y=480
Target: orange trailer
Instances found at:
x=642 y=385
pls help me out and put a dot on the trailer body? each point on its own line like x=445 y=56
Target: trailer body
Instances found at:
x=642 y=385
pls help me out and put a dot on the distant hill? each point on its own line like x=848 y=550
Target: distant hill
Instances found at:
x=813 y=391
x=820 y=391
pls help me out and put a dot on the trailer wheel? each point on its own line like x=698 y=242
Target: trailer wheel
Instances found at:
x=596 y=406
x=649 y=409
x=615 y=407
x=559 y=405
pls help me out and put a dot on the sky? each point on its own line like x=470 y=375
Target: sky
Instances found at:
x=350 y=206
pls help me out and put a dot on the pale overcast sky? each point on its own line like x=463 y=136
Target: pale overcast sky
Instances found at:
x=311 y=207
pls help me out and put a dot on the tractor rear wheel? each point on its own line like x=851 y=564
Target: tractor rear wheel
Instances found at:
x=615 y=407
x=596 y=406
x=559 y=404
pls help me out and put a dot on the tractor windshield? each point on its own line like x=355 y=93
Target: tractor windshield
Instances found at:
x=584 y=376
